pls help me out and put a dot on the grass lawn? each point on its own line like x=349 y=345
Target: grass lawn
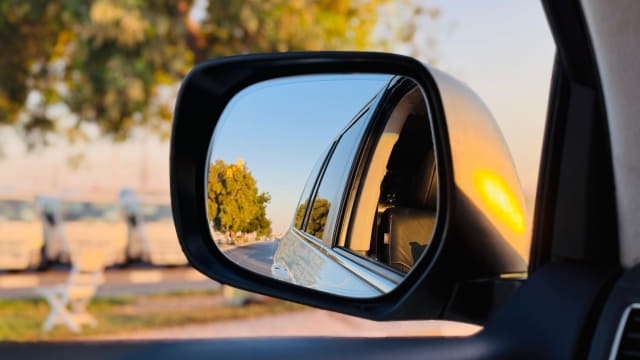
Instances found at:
x=22 y=319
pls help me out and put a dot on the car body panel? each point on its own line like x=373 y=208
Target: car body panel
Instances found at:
x=20 y=244
x=485 y=171
x=112 y=237
x=151 y=237
x=309 y=264
x=94 y=222
x=162 y=245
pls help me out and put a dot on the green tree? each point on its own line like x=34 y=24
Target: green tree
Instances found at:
x=100 y=62
x=71 y=66
x=107 y=60
x=233 y=202
x=30 y=34
x=239 y=27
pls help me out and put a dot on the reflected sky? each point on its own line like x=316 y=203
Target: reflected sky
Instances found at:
x=280 y=128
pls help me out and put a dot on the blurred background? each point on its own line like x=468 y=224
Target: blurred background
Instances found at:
x=87 y=90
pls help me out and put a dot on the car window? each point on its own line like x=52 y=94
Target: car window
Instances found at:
x=156 y=212
x=85 y=211
x=13 y=210
x=308 y=188
x=326 y=204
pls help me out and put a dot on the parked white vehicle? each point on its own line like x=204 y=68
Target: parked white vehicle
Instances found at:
x=95 y=222
x=20 y=234
x=151 y=235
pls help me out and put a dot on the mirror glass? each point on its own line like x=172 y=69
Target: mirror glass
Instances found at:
x=325 y=181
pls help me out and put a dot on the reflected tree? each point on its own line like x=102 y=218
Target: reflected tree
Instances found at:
x=233 y=202
x=318 y=217
x=300 y=214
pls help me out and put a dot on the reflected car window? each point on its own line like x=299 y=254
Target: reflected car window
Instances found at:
x=15 y=210
x=156 y=212
x=308 y=188
x=399 y=190
x=327 y=201
x=79 y=211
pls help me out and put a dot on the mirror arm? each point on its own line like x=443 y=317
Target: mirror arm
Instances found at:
x=476 y=300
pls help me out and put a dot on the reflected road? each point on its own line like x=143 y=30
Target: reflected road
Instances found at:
x=257 y=256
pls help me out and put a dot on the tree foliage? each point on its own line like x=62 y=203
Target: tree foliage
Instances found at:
x=233 y=202
x=90 y=67
x=81 y=68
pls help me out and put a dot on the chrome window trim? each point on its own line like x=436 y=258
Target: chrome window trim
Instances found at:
x=376 y=280
x=376 y=267
x=314 y=189
x=621 y=325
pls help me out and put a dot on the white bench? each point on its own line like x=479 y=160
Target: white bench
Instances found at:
x=69 y=301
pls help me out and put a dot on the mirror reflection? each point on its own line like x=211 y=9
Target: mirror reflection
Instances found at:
x=325 y=181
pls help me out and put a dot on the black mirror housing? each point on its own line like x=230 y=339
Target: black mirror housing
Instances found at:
x=480 y=244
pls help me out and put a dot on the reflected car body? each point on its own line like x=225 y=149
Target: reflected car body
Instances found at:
x=297 y=260
x=491 y=202
x=94 y=222
x=21 y=238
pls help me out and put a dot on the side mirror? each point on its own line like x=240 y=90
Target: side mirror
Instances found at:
x=390 y=183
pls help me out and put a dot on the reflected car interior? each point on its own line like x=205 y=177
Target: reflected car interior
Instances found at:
x=393 y=207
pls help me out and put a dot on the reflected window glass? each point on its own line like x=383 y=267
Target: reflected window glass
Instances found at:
x=395 y=209
x=12 y=210
x=329 y=195
x=89 y=211
x=308 y=188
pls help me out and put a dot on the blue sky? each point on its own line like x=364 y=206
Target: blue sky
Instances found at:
x=280 y=127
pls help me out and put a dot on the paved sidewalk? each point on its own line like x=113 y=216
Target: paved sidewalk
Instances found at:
x=311 y=322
